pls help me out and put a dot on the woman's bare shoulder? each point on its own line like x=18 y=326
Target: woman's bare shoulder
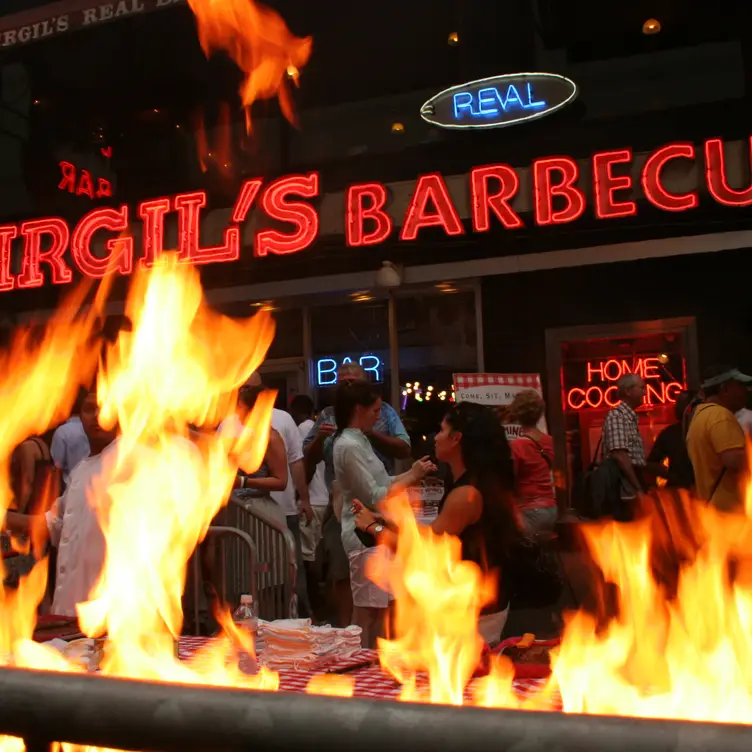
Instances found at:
x=464 y=495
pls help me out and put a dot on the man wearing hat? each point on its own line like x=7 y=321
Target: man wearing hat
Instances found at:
x=715 y=440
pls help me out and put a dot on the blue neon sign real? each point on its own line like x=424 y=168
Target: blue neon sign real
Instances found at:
x=326 y=368
x=499 y=101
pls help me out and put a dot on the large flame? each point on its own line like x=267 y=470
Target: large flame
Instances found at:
x=438 y=600
x=40 y=374
x=679 y=646
x=181 y=365
x=260 y=44
x=673 y=638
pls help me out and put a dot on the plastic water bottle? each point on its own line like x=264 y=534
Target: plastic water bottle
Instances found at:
x=246 y=615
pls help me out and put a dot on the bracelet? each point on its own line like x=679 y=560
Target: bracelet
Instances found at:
x=371 y=525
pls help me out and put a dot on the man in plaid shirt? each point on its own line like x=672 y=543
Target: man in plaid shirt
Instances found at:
x=621 y=435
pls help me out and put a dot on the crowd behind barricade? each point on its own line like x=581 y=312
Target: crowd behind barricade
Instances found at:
x=326 y=478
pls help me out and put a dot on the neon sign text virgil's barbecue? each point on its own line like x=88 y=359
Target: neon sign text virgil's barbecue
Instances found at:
x=557 y=198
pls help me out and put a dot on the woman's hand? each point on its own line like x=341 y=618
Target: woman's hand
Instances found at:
x=364 y=517
x=422 y=467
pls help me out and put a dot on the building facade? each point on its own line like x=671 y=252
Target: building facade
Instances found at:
x=608 y=236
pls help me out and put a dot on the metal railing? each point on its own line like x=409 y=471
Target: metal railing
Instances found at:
x=275 y=561
x=41 y=707
x=209 y=564
x=249 y=553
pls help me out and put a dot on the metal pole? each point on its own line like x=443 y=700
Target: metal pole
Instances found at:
x=394 y=392
x=150 y=717
x=309 y=385
x=479 y=344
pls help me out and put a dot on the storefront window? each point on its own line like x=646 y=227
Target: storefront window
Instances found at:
x=357 y=332
x=437 y=338
x=589 y=376
x=288 y=335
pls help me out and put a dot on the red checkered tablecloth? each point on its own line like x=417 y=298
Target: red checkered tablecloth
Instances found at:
x=370 y=682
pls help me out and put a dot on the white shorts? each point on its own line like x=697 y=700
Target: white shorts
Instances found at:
x=365 y=593
x=311 y=532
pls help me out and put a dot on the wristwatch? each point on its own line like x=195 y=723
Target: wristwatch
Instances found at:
x=378 y=529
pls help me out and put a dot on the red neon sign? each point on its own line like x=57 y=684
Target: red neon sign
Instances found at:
x=82 y=183
x=661 y=389
x=557 y=177
x=558 y=198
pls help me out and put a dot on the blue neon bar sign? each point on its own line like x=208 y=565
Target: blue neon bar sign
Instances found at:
x=326 y=368
x=499 y=101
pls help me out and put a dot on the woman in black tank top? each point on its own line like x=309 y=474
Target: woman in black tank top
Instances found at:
x=33 y=476
x=478 y=505
x=35 y=483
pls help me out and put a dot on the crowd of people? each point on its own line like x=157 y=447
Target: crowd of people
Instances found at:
x=703 y=451
x=326 y=478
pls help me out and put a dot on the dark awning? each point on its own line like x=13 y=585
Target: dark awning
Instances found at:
x=53 y=19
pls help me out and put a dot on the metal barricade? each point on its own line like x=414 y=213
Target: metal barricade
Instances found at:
x=275 y=561
x=211 y=555
x=247 y=553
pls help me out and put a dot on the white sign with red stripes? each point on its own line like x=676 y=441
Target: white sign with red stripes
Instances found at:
x=497 y=389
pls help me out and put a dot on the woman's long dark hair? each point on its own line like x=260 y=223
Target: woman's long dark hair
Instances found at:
x=488 y=462
x=349 y=395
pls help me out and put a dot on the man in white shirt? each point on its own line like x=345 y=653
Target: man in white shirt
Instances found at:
x=284 y=425
x=301 y=409
x=72 y=522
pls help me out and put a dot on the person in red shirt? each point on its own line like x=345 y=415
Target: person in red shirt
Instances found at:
x=533 y=459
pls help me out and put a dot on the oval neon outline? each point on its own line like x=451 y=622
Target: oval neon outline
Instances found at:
x=506 y=123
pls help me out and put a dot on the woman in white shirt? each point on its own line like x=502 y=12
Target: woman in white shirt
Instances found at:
x=361 y=475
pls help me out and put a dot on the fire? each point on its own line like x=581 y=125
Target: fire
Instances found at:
x=179 y=366
x=683 y=654
x=40 y=374
x=260 y=44
x=437 y=601
x=679 y=646
x=331 y=685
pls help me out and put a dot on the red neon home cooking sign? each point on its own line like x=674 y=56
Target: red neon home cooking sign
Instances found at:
x=600 y=389
x=557 y=199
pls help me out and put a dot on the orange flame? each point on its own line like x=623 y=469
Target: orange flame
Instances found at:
x=40 y=375
x=260 y=44
x=180 y=366
x=683 y=655
x=438 y=599
x=680 y=646
x=331 y=685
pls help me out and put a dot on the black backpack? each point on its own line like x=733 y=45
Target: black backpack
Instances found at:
x=601 y=487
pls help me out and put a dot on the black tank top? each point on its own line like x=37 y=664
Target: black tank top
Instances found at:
x=484 y=545
x=44 y=486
